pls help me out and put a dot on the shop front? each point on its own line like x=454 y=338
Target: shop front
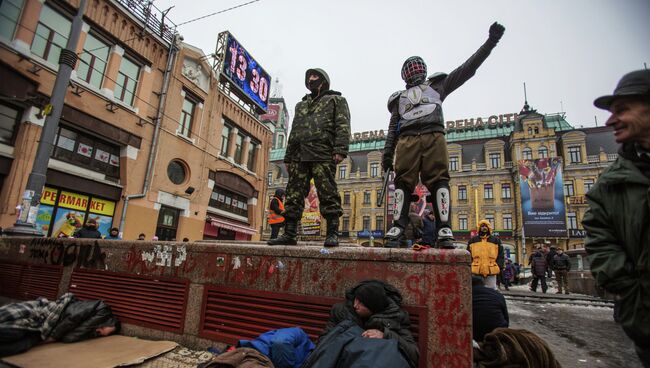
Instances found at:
x=221 y=228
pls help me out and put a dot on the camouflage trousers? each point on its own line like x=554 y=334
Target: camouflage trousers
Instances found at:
x=300 y=175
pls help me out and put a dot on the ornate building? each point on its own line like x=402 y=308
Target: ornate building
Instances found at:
x=483 y=161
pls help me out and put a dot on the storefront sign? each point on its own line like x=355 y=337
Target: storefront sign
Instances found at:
x=102 y=207
x=366 y=234
x=491 y=122
x=367 y=136
x=577 y=233
x=73 y=201
x=577 y=200
x=49 y=196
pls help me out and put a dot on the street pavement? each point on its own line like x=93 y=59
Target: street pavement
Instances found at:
x=580 y=333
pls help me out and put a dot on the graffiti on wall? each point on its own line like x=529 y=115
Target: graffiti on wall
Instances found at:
x=49 y=251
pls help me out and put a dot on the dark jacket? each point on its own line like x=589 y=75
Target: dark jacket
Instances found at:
x=489 y=311
x=88 y=232
x=320 y=128
x=444 y=85
x=393 y=321
x=428 y=231
x=80 y=319
x=561 y=262
x=618 y=237
x=549 y=257
x=538 y=264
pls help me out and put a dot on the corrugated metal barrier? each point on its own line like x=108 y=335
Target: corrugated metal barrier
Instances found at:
x=28 y=281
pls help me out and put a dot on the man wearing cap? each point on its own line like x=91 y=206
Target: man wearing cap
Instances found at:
x=618 y=218
x=416 y=138
x=375 y=306
x=319 y=139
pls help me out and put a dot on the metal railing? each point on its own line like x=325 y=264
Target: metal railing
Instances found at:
x=153 y=19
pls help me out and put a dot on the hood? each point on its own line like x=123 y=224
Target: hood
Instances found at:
x=486 y=222
x=391 y=291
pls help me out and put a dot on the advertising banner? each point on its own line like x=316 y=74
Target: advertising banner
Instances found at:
x=272 y=114
x=245 y=73
x=542 y=197
x=310 y=221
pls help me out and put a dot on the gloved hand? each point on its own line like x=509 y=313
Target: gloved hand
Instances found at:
x=496 y=31
x=386 y=163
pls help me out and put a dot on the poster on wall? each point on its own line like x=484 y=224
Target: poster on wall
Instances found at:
x=44 y=218
x=67 y=222
x=542 y=197
x=310 y=221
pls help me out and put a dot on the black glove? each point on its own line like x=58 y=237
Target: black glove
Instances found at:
x=496 y=31
x=386 y=163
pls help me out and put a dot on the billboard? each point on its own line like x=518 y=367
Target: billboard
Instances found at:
x=310 y=222
x=243 y=71
x=272 y=113
x=542 y=197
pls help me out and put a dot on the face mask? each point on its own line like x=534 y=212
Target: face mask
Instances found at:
x=314 y=85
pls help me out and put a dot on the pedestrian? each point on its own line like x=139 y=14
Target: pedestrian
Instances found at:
x=114 y=234
x=142 y=236
x=375 y=307
x=517 y=269
x=89 y=230
x=429 y=229
x=561 y=266
x=489 y=309
x=416 y=137
x=618 y=215
x=487 y=254
x=538 y=267
x=550 y=254
x=508 y=273
x=319 y=140
x=274 y=216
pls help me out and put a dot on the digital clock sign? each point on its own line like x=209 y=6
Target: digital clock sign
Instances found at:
x=242 y=70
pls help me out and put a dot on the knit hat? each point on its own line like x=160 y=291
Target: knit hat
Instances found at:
x=373 y=296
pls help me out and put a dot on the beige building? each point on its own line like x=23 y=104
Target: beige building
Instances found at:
x=483 y=157
x=149 y=140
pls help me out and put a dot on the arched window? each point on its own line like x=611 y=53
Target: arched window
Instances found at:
x=527 y=153
x=542 y=152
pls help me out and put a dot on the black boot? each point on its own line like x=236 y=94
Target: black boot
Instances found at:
x=332 y=237
x=289 y=236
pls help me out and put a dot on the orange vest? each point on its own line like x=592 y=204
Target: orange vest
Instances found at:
x=273 y=217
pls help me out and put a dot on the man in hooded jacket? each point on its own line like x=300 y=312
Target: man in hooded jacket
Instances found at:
x=319 y=139
x=618 y=218
x=487 y=254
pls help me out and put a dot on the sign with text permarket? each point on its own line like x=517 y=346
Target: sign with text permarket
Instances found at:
x=542 y=197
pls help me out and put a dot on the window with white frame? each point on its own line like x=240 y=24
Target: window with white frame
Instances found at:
x=366 y=197
x=572 y=220
x=507 y=221
x=588 y=184
x=490 y=219
x=542 y=152
x=127 y=81
x=51 y=36
x=462 y=222
x=9 y=17
x=342 y=171
x=453 y=163
x=506 y=192
x=574 y=155
x=374 y=170
x=345 y=224
x=462 y=192
x=495 y=160
x=346 y=197
x=487 y=191
x=527 y=154
x=269 y=178
x=568 y=189
x=366 y=223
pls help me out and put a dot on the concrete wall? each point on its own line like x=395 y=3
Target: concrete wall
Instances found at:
x=438 y=280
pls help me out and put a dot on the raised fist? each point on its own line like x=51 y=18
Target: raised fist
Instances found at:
x=496 y=31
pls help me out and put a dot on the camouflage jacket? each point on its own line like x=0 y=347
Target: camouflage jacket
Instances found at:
x=320 y=128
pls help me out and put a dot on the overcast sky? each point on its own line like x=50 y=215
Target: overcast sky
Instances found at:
x=567 y=51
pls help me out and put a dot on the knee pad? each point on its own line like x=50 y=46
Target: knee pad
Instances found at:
x=442 y=202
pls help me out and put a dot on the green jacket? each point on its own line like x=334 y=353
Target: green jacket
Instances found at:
x=618 y=241
x=320 y=128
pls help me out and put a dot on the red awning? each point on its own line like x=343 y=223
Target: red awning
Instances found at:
x=223 y=223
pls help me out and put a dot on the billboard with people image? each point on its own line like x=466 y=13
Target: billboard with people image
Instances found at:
x=542 y=197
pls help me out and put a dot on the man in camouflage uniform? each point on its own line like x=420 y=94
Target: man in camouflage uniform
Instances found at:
x=319 y=139
x=416 y=138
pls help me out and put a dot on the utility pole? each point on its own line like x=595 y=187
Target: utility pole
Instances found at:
x=25 y=224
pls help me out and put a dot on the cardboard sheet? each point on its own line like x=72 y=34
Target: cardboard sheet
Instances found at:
x=110 y=351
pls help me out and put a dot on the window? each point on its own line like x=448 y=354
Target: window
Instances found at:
x=505 y=191
x=453 y=163
x=366 y=222
x=225 y=139
x=252 y=155
x=378 y=195
x=588 y=184
x=507 y=222
x=536 y=130
x=239 y=141
x=9 y=13
x=345 y=224
x=127 y=81
x=346 y=197
x=51 y=35
x=176 y=172
x=462 y=193
x=495 y=160
x=92 y=61
x=374 y=170
x=342 y=171
x=462 y=222
x=229 y=201
x=167 y=223
x=269 y=178
x=379 y=223
x=490 y=219
x=87 y=151
x=542 y=152
x=366 y=197
x=574 y=155
x=8 y=121
x=572 y=220
x=487 y=191
x=187 y=115
x=527 y=154
x=568 y=188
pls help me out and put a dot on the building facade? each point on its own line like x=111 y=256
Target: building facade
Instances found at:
x=147 y=142
x=484 y=157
